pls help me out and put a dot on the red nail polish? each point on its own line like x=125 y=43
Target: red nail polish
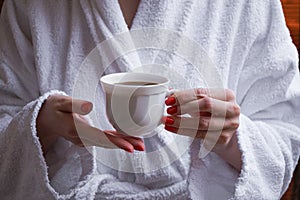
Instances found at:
x=170 y=101
x=172 y=110
x=169 y=121
x=139 y=148
x=163 y=119
x=129 y=150
x=171 y=129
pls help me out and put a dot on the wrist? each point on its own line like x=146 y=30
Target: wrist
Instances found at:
x=47 y=141
x=46 y=138
x=230 y=152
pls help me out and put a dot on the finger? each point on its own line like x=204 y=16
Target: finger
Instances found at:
x=75 y=139
x=82 y=132
x=71 y=134
x=87 y=133
x=67 y=104
x=76 y=129
x=103 y=139
x=203 y=123
x=216 y=93
x=119 y=141
x=137 y=143
x=187 y=132
x=199 y=123
x=206 y=104
x=204 y=114
x=185 y=96
x=107 y=139
x=200 y=114
x=213 y=137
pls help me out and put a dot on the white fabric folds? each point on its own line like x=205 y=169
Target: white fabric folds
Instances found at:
x=42 y=45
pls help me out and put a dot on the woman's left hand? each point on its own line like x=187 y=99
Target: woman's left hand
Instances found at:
x=214 y=115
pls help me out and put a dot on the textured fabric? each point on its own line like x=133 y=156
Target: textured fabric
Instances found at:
x=42 y=45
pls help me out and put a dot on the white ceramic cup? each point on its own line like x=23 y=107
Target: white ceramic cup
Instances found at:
x=135 y=109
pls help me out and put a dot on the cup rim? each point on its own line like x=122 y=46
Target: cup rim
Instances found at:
x=104 y=80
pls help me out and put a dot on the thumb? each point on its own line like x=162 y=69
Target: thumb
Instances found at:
x=82 y=107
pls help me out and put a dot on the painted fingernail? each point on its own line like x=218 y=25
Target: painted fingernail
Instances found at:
x=170 y=101
x=163 y=119
x=129 y=150
x=171 y=129
x=169 y=121
x=172 y=110
x=139 y=148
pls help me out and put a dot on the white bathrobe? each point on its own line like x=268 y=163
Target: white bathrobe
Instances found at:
x=42 y=45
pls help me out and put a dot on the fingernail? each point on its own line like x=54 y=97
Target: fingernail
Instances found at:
x=172 y=110
x=171 y=129
x=129 y=150
x=139 y=148
x=163 y=119
x=169 y=121
x=86 y=107
x=170 y=101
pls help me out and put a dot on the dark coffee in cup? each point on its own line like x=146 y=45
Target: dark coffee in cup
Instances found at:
x=136 y=83
x=135 y=101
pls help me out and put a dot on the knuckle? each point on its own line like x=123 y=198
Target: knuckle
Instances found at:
x=236 y=109
x=203 y=123
x=64 y=101
x=229 y=94
x=234 y=124
x=60 y=102
x=224 y=138
x=199 y=91
x=207 y=103
x=52 y=100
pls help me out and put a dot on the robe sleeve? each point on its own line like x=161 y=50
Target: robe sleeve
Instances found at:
x=23 y=170
x=269 y=95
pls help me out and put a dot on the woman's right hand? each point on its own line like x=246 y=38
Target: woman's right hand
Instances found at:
x=58 y=116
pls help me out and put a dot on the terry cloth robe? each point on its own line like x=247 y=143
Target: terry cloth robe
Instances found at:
x=42 y=45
